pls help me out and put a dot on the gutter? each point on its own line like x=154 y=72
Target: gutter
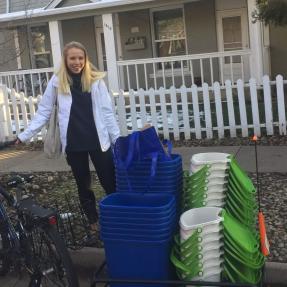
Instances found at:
x=42 y=12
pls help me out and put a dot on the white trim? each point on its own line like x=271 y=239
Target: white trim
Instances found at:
x=41 y=12
x=266 y=50
x=242 y=12
x=119 y=46
x=109 y=35
x=166 y=8
x=7 y=6
x=256 y=43
x=55 y=3
x=56 y=38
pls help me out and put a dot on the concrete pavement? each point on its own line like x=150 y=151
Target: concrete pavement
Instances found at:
x=270 y=158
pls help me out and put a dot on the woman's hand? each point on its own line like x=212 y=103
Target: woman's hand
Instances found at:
x=18 y=141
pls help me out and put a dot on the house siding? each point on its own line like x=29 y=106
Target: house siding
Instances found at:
x=81 y=30
x=2 y=7
x=68 y=3
x=20 y=5
x=278 y=50
x=8 y=56
x=200 y=24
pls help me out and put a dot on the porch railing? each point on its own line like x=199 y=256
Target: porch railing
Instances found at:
x=184 y=70
x=30 y=82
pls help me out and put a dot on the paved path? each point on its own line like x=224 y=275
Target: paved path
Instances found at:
x=270 y=158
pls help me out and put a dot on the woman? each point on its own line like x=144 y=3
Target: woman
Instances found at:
x=87 y=123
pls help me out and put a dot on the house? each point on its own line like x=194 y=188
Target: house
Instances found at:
x=140 y=43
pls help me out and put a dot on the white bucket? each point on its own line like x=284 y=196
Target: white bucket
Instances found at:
x=214 y=254
x=211 y=167
x=210 y=158
x=200 y=217
x=209 y=195
x=211 y=173
x=203 y=231
x=212 y=275
x=215 y=202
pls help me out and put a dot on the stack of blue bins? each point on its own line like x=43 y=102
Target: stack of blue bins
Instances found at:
x=137 y=231
x=138 y=222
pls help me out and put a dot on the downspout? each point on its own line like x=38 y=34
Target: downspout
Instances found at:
x=7 y=6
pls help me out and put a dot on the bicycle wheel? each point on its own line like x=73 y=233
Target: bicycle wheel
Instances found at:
x=48 y=261
x=4 y=253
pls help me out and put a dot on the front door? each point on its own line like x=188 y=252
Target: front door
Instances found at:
x=232 y=30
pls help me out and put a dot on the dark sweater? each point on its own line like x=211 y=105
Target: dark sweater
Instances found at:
x=82 y=133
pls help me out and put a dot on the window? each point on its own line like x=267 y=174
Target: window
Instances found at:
x=169 y=34
x=41 y=46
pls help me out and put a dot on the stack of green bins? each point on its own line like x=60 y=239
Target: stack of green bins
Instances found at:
x=241 y=196
x=206 y=184
x=243 y=260
x=198 y=252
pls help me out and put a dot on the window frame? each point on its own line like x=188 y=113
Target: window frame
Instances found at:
x=154 y=41
x=34 y=54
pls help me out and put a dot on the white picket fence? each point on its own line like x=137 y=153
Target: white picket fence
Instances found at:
x=189 y=112
x=209 y=111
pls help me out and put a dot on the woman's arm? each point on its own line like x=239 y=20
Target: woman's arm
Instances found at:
x=43 y=113
x=108 y=112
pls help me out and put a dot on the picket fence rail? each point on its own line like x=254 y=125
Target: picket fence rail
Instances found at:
x=232 y=109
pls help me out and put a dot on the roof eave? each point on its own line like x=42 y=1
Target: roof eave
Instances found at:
x=41 y=12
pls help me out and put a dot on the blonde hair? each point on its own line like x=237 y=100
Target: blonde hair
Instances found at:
x=90 y=74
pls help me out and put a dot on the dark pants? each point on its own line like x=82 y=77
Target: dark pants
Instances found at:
x=104 y=165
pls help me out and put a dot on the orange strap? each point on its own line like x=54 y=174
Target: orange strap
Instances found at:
x=263 y=236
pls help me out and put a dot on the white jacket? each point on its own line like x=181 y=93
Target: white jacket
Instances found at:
x=106 y=124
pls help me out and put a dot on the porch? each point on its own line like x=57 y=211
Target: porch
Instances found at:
x=150 y=46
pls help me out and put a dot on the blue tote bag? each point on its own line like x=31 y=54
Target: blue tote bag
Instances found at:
x=138 y=146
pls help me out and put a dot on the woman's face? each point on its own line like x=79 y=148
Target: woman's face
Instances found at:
x=75 y=60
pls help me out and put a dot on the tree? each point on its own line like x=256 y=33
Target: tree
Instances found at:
x=13 y=39
x=271 y=12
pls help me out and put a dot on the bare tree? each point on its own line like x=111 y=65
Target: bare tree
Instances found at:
x=13 y=39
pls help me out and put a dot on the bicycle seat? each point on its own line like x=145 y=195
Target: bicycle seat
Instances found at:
x=30 y=207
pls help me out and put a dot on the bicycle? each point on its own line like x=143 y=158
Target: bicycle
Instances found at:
x=31 y=241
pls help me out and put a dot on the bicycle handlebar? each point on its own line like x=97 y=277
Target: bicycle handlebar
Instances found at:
x=18 y=179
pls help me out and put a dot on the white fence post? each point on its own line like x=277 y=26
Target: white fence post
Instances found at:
x=122 y=114
x=230 y=109
x=207 y=112
x=254 y=106
x=281 y=105
x=174 y=112
x=218 y=105
x=142 y=106
x=268 y=105
x=242 y=108
x=133 y=109
x=196 y=112
x=153 y=108
x=185 y=115
x=162 y=92
x=3 y=116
